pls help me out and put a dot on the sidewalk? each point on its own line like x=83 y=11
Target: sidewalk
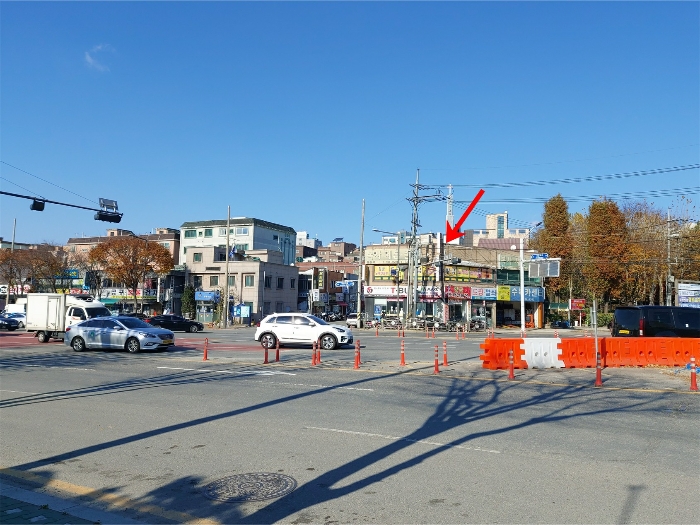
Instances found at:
x=20 y=506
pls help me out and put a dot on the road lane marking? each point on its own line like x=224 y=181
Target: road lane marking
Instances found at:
x=398 y=438
x=44 y=366
x=234 y=372
x=118 y=502
x=20 y=392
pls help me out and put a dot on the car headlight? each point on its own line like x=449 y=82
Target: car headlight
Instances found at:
x=144 y=334
x=338 y=329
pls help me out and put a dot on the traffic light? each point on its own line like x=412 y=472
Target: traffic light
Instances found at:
x=108 y=216
x=37 y=205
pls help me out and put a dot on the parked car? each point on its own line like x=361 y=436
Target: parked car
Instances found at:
x=352 y=320
x=124 y=332
x=656 y=321
x=21 y=318
x=301 y=329
x=175 y=322
x=8 y=323
x=138 y=315
x=560 y=324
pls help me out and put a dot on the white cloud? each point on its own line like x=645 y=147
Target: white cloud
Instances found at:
x=91 y=60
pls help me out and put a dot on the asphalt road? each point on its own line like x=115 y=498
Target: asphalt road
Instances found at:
x=145 y=434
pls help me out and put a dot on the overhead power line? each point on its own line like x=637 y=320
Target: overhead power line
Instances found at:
x=573 y=180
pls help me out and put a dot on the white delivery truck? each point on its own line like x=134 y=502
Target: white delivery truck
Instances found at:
x=48 y=314
x=20 y=307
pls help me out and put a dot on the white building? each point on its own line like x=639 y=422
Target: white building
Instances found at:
x=303 y=239
x=245 y=234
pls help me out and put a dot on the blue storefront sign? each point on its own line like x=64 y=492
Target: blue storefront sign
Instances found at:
x=533 y=294
x=207 y=296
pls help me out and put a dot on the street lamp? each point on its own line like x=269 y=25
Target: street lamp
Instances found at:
x=398 y=262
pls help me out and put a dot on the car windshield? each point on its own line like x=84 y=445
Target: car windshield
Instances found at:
x=97 y=312
x=134 y=322
x=317 y=320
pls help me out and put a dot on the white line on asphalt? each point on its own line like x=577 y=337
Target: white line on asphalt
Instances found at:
x=248 y=372
x=395 y=438
x=59 y=367
x=20 y=392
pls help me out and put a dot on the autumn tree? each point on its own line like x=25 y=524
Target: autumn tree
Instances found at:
x=129 y=260
x=188 y=301
x=14 y=267
x=607 y=243
x=645 y=269
x=555 y=239
x=48 y=267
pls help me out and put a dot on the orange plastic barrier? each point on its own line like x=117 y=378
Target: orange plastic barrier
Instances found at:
x=495 y=356
x=614 y=352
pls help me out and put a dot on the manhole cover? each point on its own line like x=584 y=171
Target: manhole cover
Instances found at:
x=250 y=487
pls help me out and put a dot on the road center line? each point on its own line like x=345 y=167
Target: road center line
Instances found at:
x=20 y=392
x=234 y=372
x=397 y=438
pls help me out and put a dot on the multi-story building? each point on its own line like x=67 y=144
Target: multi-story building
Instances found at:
x=244 y=234
x=259 y=279
x=497 y=228
x=304 y=239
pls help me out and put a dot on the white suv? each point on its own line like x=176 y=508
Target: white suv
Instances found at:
x=302 y=329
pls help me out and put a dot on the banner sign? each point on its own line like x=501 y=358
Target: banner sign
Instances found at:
x=466 y=274
x=689 y=295
x=577 y=304
x=207 y=296
x=385 y=291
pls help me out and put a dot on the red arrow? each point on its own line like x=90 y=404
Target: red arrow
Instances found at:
x=454 y=233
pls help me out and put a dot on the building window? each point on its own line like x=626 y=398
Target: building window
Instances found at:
x=500 y=227
x=266 y=308
x=213 y=280
x=190 y=234
x=165 y=244
x=249 y=281
x=275 y=237
x=293 y=282
x=184 y=249
x=279 y=306
x=243 y=247
x=199 y=233
x=280 y=283
x=222 y=232
x=196 y=257
x=268 y=281
x=241 y=231
x=197 y=281
x=232 y=280
x=208 y=232
x=222 y=256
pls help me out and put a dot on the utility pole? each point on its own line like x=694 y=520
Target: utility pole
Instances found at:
x=12 y=251
x=361 y=273
x=668 y=257
x=228 y=249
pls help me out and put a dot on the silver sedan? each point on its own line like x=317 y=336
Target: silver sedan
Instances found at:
x=127 y=333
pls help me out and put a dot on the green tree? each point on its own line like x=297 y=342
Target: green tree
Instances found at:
x=188 y=302
x=606 y=247
x=555 y=239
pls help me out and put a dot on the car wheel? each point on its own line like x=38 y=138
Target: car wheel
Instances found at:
x=42 y=337
x=21 y=324
x=268 y=341
x=194 y=328
x=328 y=342
x=78 y=344
x=133 y=345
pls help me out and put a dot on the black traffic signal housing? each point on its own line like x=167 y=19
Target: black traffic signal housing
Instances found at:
x=108 y=216
x=37 y=205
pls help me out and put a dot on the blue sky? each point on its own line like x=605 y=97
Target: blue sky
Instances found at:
x=296 y=112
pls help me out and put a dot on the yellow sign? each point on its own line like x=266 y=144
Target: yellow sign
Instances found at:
x=384 y=273
x=503 y=293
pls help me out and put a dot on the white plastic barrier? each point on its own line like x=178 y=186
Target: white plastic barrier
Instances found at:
x=542 y=353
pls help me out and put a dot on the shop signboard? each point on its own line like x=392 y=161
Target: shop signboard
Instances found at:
x=385 y=291
x=207 y=296
x=429 y=292
x=533 y=294
x=124 y=294
x=486 y=294
x=458 y=292
x=466 y=274
x=504 y=293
